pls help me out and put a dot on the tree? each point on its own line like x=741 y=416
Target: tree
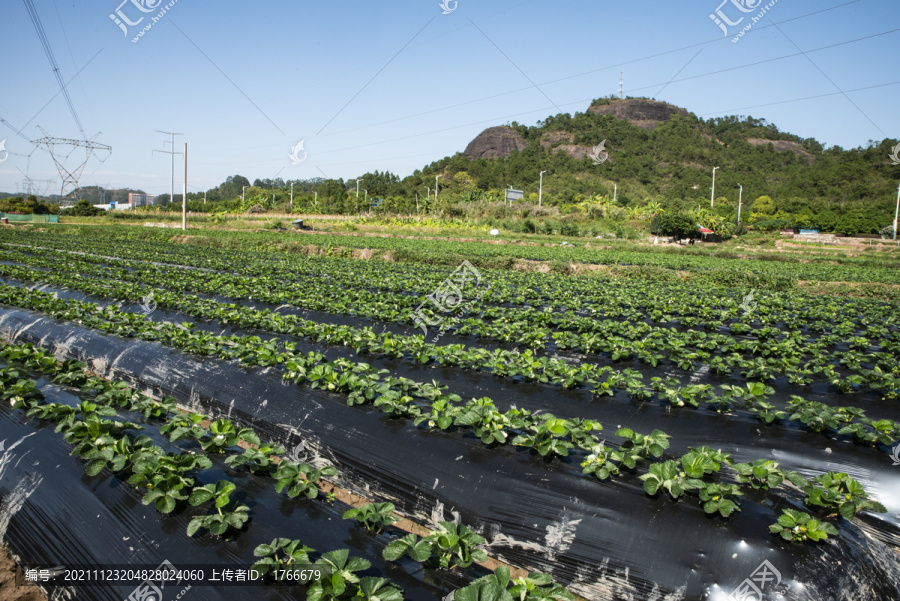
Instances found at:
x=676 y=225
x=764 y=205
x=84 y=208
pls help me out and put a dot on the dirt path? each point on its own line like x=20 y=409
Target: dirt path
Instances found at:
x=9 y=590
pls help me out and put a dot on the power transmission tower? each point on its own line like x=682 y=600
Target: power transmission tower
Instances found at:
x=173 y=153
x=30 y=185
x=71 y=176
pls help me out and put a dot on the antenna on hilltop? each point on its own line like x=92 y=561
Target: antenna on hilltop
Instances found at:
x=621 y=85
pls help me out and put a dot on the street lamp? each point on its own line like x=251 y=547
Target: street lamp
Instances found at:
x=436 y=187
x=292 y=197
x=615 y=192
x=541 y=189
x=740 y=196
x=242 y=194
x=713 y=195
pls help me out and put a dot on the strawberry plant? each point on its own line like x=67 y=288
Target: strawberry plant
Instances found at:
x=224 y=434
x=799 y=526
x=184 y=425
x=488 y=423
x=443 y=412
x=300 y=478
x=668 y=477
x=871 y=432
x=643 y=445
x=450 y=546
x=372 y=588
x=767 y=412
x=257 y=459
x=603 y=462
x=720 y=498
x=841 y=494
x=536 y=587
x=23 y=389
x=397 y=404
x=545 y=436
x=342 y=569
x=374 y=516
x=280 y=554
x=761 y=474
x=221 y=521
x=419 y=550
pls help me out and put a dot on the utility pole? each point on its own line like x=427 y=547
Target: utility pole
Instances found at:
x=740 y=197
x=242 y=194
x=615 y=192
x=204 y=197
x=436 y=187
x=896 y=213
x=713 y=194
x=184 y=192
x=173 y=153
x=316 y=201
x=541 y=189
x=292 y=197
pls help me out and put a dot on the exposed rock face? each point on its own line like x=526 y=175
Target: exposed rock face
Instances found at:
x=642 y=112
x=563 y=142
x=495 y=142
x=784 y=146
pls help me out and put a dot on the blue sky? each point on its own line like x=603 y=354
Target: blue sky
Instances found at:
x=394 y=86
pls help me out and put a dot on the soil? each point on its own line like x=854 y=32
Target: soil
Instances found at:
x=9 y=590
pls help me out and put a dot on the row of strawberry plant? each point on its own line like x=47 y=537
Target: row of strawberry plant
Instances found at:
x=502 y=362
x=105 y=444
x=543 y=432
x=683 y=349
x=709 y=314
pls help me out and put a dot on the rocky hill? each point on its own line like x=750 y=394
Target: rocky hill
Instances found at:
x=643 y=112
x=495 y=142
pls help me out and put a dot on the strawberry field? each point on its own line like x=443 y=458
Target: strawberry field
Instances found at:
x=372 y=429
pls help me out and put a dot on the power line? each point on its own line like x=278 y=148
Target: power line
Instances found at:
x=593 y=71
x=45 y=43
x=828 y=78
x=756 y=106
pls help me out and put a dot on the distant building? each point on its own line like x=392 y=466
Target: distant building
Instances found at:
x=140 y=200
